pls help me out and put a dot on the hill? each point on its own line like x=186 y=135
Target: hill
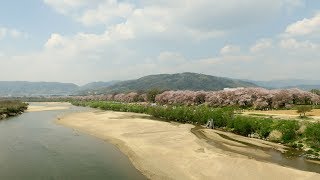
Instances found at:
x=181 y=81
x=97 y=85
x=304 y=87
x=288 y=83
x=24 y=88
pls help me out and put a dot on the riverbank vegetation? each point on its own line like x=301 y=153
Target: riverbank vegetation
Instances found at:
x=11 y=108
x=298 y=134
x=315 y=91
x=245 y=98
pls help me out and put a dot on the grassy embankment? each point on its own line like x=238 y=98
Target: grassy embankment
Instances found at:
x=11 y=108
x=302 y=135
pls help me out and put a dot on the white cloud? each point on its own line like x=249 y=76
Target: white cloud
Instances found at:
x=301 y=45
x=160 y=36
x=11 y=33
x=68 y=7
x=171 y=58
x=261 y=45
x=88 y=42
x=63 y=4
x=291 y=5
x=201 y=19
x=92 y=12
x=92 y=58
x=305 y=27
x=106 y=12
x=295 y=3
x=3 y=33
x=55 y=41
x=230 y=49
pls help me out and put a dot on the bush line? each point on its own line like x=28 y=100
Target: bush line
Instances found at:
x=11 y=108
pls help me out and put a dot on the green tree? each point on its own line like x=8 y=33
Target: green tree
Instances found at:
x=315 y=91
x=151 y=94
x=312 y=134
x=302 y=110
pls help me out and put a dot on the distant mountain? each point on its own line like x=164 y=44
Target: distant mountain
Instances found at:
x=289 y=83
x=181 y=81
x=304 y=87
x=99 y=84
x=94 y=86
x=24 y=88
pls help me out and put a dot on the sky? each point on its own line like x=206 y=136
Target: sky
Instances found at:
x=81 y=41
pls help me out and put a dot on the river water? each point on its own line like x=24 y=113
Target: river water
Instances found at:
x=33 y=147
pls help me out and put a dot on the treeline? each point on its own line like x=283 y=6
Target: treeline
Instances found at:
x=11 y=108
x=252 y=98
x=256 y=98
x=290 y=132
x=316 y=91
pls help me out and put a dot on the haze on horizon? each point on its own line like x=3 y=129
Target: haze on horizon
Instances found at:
x=81 y=41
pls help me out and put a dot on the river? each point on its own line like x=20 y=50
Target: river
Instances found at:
x=33 y=146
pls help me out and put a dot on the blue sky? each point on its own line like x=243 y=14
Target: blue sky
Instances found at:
x=100 y=40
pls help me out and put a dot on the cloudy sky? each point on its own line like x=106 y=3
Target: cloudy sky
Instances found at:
x=100 y=40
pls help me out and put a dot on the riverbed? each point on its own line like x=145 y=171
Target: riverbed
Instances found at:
x=33 y=146
x=165 y=150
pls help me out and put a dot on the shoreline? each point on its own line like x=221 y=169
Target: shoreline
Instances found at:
x=12 y=108
x=47 y=106
x=162 y=150
x=8 y=115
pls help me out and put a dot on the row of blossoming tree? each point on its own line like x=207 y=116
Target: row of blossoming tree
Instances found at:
x=257 y=98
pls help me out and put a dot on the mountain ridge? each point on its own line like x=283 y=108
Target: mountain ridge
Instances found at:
x=27 y=88
x=177 y=81
x=288 y=83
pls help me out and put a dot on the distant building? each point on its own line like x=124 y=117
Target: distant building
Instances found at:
x=233 y=89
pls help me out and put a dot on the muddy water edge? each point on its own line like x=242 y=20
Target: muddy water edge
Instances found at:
x=290 y=158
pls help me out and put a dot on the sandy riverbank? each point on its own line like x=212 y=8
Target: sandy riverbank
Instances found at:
x=48 y=106
x=163 y=150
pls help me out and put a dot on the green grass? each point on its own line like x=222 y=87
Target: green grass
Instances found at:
x=12 y=107
x=312 y=134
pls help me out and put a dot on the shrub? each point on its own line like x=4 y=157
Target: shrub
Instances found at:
x=263 y=127
x=151 y=94
x=302 y=110
x=275 y=136
x=8 y=107
x=243 y=125
x=288 y=129
x=312 y=133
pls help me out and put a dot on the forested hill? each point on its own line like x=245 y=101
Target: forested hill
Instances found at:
x=181 y=81
x=97 y=85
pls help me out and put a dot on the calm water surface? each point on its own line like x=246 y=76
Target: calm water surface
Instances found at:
x=33 y=147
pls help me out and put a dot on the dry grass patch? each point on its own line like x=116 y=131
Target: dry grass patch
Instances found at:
x=284 y=114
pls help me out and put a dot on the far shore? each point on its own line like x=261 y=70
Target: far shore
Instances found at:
x=162 y=150
x=43 y=106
